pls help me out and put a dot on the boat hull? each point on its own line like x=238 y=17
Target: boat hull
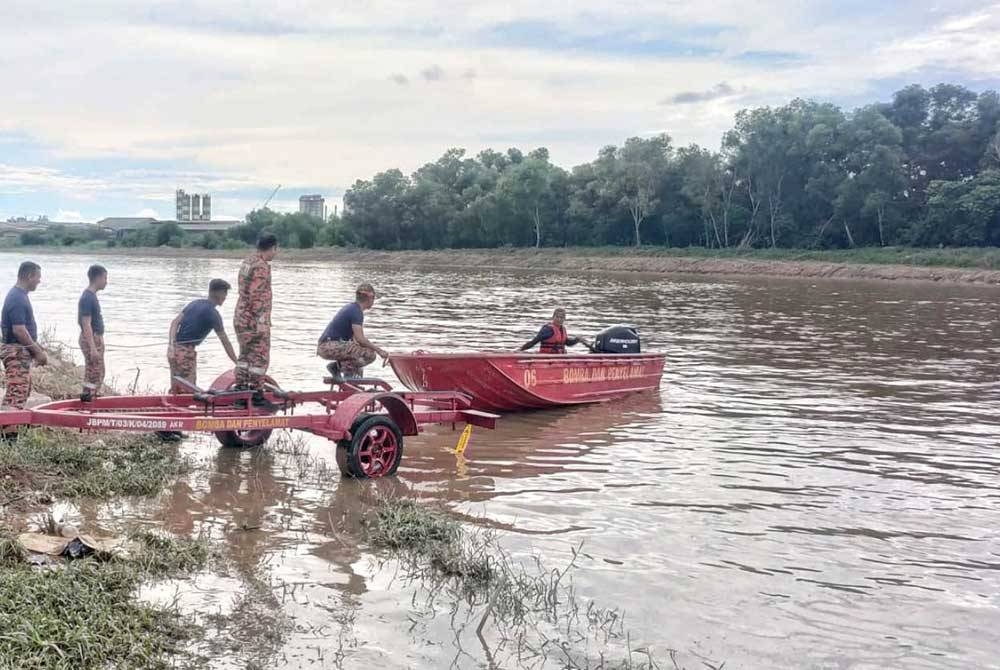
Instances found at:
x=510 y=382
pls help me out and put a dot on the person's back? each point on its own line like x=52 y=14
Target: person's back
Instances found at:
x=199 y=318
x=341 y=326
x=344 y=342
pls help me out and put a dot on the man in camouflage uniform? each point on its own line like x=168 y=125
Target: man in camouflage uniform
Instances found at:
x=252 y=320
x=344 y=341
x=91 y=321
x=190 y=328
x=20 y=337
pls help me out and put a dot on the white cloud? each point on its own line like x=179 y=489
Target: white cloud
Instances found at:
x=69 y=216
x=306 y=92
x=147 y=212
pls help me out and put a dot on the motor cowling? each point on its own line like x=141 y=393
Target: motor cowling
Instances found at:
x=617 y=340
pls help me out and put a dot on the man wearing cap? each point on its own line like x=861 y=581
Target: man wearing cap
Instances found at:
x=344 y=341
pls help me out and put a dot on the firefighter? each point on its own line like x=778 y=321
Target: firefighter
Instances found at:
x=20 y=336
x=91 y=321
x=252 y=320
x=344 y=341
x=552 y=337
x=190 y=328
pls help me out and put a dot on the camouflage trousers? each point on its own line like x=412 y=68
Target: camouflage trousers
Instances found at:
x=352 y=356
x=184 y=364
x=93 y=365
x=255 y=354
x=17 y=370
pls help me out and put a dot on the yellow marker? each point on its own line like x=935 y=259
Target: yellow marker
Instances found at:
x=463 y=440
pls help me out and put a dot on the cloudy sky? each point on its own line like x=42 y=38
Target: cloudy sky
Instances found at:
x=109 y=106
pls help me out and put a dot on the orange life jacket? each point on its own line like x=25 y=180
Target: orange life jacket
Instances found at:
x=555 y=344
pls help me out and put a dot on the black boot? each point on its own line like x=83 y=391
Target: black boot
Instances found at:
x=334 y=368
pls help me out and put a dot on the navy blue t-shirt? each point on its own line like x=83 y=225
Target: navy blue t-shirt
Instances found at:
x=17 y=311
x=90 y=306
x=199 y=318
x=341 y=327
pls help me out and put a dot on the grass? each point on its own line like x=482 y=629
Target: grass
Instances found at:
x=983 y=258
x=529 y=616
x=44 y=463
x=84 y=615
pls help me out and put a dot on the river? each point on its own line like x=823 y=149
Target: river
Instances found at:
x=814 y=486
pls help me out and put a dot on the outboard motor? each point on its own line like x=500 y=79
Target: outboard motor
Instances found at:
x=617 y=340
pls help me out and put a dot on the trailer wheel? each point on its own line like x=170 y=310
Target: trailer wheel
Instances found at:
x=374 y=450
x=238 y=439
x=243 y=439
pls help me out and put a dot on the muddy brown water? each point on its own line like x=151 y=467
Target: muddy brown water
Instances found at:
x=816 y=484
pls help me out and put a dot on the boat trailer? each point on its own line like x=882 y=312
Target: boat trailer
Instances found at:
x=364 y=417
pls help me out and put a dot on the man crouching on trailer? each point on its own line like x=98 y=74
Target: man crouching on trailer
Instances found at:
x=344 y=341
x=190 y=328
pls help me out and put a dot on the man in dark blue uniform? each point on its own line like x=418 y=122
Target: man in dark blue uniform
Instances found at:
x=20 y=336
x=190 y=328
x=88 y=315
x=344 y=341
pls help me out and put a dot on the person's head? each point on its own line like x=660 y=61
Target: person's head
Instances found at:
x=218 y=289
x=559 y=316
x=365 y=296
x=98 y=277
x=29 y=275
x=267 y=246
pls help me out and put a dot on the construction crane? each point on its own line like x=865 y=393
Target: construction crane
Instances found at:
x=273 y=193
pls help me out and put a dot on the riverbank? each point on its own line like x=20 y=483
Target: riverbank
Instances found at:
x=968 y=266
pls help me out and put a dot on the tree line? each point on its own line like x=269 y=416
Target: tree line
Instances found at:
x=922 y=170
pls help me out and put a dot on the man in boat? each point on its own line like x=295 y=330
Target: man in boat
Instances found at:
x=20 y=347
x=252 y=320
x=91 y=321
x=190 y=328
x=552 y=337
x=344 y=341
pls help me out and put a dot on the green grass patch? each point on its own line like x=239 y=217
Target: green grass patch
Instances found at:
x=981 y=258
x=74 y=465
x=84 y=615
x=516 y=612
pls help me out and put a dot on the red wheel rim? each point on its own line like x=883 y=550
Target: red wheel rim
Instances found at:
x=377 y=451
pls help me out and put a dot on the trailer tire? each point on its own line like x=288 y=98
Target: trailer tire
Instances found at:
x=242 y=439
x=374 y=450
x=238 y=439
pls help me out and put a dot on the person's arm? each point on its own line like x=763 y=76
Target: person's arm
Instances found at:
x=88 y=334
x=226 y=344
x=359 y=336
x=24 y=337
x=174 y=325
x=543 y=334
x=573 y=341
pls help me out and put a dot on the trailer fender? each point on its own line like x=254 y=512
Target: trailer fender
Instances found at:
x=349 y=408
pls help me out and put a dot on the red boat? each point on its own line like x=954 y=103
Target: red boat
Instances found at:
x=517 y=381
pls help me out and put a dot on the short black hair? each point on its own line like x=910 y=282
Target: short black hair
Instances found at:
x=266 y=241
x=365 y=292
x=217 y=285
x=27 y=269
x=95 y=271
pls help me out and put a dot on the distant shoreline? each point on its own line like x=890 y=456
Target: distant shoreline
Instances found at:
x=649 y=260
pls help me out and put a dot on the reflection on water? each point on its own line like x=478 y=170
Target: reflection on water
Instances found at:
x=815 y=485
